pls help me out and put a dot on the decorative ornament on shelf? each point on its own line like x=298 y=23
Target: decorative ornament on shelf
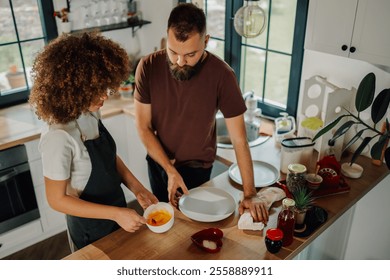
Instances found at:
x=364 y=99
x=62 y=15
x=250 y=19
x=65 y=26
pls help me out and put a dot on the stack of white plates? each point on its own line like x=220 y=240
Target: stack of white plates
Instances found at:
x=265 y=174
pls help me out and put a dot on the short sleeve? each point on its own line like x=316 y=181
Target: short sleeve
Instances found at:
x=56 y=152
x=231 y=102
x=142 y=91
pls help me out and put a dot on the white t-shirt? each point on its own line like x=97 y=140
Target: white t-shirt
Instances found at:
x=63 y=152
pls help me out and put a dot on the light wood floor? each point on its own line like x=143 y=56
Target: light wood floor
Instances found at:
x=53 y=248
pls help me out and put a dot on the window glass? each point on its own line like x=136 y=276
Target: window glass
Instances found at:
x=267 y=72
x=215 y=13
x=252 y=70
x=216 y=47
x=27 y=19
x=7 y=28
x=30 y=50
x=21 y=37
x=282 y=20
x=277 y=79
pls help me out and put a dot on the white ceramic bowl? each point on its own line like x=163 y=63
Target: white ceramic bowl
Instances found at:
x=156 y=207
x=314 y=181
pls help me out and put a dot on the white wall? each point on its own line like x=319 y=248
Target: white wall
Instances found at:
x=343 y=72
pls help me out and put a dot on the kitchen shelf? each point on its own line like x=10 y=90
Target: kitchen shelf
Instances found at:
x=133 y=25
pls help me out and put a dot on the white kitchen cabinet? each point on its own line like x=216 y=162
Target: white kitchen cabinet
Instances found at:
x=137 y=153
x=52 y=221
x=369 y=237
x=117 y=128
x=129 y=148
x=356 y=29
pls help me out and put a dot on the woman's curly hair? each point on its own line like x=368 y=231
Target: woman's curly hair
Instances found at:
x=72 y=71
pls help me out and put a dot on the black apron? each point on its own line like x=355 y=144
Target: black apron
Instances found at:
x=103 y=187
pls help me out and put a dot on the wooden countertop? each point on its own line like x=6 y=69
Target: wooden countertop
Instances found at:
x=237 y=244
x=19 y=124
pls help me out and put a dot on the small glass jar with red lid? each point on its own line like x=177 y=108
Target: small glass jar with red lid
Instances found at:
x=274 y=240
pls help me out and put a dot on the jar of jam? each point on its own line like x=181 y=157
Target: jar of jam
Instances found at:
x=296 y=177
x=274 y=240
x=286 y=221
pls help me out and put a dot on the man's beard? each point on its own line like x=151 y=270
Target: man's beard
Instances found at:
x=185 y=72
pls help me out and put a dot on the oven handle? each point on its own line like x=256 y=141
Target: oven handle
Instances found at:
x=8 y=176
x=13 y=172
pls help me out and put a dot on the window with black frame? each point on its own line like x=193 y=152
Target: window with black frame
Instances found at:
x=26 y=26
x=269 y=64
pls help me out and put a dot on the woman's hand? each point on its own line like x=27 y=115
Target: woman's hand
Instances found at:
x=129 y=220
x=257 y=207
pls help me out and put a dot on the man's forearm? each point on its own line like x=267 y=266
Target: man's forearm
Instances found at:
x=245 y=165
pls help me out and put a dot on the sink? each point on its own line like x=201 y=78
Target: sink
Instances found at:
x=252 y=133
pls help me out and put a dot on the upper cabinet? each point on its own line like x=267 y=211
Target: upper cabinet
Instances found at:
x=356 y=29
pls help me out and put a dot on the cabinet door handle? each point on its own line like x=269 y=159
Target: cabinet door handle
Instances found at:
x=352 y=49
x=344 y=47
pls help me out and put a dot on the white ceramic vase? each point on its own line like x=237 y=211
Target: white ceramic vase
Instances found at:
x=65 y=27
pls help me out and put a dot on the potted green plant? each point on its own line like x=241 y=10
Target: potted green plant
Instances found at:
x=379 y=105
x=15 y=77
x=303 y=201
x=126 y=88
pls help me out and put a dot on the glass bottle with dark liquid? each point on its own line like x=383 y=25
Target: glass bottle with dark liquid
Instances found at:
x=286 y=221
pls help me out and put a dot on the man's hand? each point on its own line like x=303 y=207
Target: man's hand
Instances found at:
x=257 y=207
x=175 y=182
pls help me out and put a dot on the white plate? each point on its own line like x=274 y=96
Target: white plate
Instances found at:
x=207 y=204
x=265 y=174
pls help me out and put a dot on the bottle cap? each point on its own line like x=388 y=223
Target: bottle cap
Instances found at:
x=275 y=234
x=296 y=168
x=288 y=202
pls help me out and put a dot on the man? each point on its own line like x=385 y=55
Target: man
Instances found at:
x=178 y=92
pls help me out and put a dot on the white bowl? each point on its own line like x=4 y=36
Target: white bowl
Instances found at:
x=314 y=181
x=156 y=207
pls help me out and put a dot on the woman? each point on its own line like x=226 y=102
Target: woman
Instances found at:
x=73 y=76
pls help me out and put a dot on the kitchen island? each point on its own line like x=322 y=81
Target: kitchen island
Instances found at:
x=237 y=244
x=19 y=125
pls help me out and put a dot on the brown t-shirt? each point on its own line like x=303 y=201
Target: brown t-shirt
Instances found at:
x=183 y=112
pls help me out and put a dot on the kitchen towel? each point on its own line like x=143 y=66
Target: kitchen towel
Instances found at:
x=267 y=194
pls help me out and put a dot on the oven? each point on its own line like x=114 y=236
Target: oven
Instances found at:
x=18 y=204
